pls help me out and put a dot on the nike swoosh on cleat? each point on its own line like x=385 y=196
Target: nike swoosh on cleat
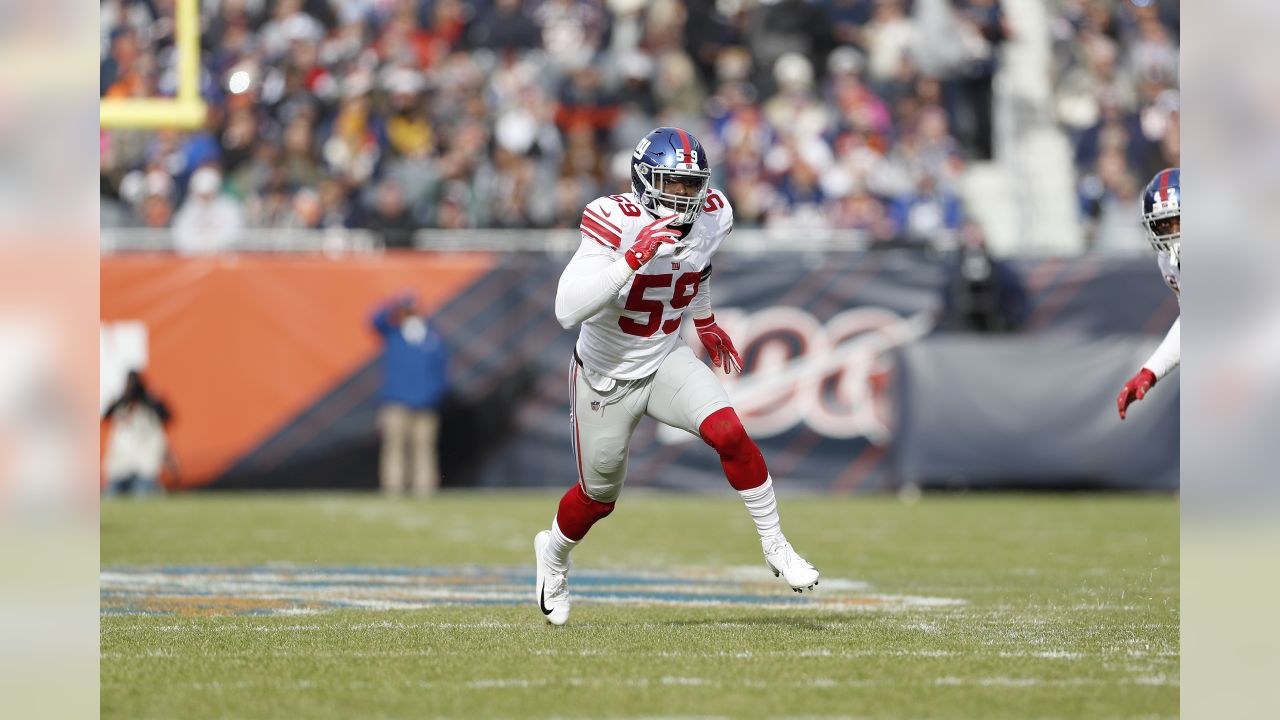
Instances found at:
x=542 y=600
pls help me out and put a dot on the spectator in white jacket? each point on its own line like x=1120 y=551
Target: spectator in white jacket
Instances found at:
x=208 y=221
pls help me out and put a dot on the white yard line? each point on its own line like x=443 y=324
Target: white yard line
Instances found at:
x=663 y=654
x=672 y=681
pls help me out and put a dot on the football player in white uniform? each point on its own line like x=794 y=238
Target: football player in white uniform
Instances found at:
x=1162 y=217
x=645 y=260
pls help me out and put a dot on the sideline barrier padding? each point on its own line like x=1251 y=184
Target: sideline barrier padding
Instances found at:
x=271 y=369
x=241 y=345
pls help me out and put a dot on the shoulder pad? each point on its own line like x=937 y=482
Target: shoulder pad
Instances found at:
x=718 y=207
x=598 y=222
x=607 y=218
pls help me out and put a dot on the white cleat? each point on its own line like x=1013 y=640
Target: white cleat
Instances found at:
x=552 y=591
x=782 y=559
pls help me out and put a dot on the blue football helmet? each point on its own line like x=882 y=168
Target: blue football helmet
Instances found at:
x=668 y=156
x=1162 y=212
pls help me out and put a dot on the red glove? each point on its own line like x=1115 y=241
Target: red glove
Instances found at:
x=718 y=344
x=1136 y=389
x=651 y=237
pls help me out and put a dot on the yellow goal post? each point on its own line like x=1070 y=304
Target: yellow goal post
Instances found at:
x=187 y=110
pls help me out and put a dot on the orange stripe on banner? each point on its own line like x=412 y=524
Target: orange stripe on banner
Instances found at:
x=1042 y=274
x=795 y=451
x=1077 y=278
x=858 y=470
x=825 y=302
x=1163 y=317
x=240 y=345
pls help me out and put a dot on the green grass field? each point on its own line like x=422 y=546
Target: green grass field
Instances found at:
x=980 y=606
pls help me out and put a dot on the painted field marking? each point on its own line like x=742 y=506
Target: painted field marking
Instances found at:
x=290 y=590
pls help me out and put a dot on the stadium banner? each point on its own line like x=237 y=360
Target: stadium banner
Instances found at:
x=1030 y=411
x=241 y=346
x=272 y=372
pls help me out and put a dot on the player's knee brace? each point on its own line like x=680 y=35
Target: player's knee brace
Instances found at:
x=724 y=432
x=578 y=512
x=743 y=464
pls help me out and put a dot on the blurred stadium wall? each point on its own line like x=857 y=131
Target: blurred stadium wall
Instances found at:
x=270 y=366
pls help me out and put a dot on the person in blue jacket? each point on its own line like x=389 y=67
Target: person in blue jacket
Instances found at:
x=415 y=366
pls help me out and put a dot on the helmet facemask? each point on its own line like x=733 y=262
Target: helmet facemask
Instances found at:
x=1164 y=232
x=668 y=191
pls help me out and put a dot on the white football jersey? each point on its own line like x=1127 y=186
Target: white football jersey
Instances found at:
x=1171 y=273
x=1168 y=355
x=629 y=337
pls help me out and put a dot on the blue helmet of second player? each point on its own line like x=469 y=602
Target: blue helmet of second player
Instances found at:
x=1162 y=212
x=670 y=174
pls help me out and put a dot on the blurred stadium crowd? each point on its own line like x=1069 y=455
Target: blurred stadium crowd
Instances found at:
x=1116 y=95
x=399 y=114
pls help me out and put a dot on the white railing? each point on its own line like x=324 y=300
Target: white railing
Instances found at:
x=344 y=241
x=338 y=241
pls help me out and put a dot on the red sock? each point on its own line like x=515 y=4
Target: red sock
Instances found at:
x=741 y=459
x=578 y=513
